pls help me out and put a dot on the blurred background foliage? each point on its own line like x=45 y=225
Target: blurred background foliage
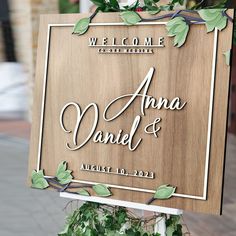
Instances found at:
x=69 y=6
x=72 y=6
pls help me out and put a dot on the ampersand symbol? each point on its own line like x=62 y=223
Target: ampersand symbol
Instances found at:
x=152 y=128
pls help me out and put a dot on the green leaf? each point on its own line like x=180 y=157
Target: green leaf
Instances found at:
x=99 y=3
x=166 y=8
x=170 y=230
x=83 y=192
x=214 y=18
x=227 y=57
x=178 y=231
x=102 y=190
x=164 y=192
x=154 y=12
x=63 y=175
x=179 y=29
x=35 y=175
x=133 y=6
x=90 y=232
x=38 y=181
x=40 y=184
x=61 y=168
x=130 y=17
x=115 y=4
x=81 y=26
x=151 y=6
x=64 y=232
x=68 y=7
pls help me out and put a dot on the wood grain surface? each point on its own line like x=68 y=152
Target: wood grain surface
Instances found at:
x=78 y=73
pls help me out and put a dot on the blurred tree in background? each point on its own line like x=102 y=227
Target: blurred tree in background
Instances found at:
x=205 y=3
x=69 y=6
x=72 y=6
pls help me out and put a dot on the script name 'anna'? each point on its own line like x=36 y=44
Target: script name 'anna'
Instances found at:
x=121 y=138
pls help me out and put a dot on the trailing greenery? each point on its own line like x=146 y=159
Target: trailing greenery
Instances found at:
x=62 y=182
x=149 y=5
x=94 y=219
x=66 y=6
x=178 y=25
x=153 y=6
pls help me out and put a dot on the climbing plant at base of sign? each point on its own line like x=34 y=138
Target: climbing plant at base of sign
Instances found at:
x=94 y=219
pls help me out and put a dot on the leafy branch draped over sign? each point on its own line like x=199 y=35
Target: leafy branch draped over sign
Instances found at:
x=154 y=6
x=178 y=25
x=62 y=182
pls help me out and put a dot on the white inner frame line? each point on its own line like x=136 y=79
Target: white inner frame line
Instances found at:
x=210 y=114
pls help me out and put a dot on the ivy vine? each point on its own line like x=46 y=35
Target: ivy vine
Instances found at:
x=62 y=182
x=94 y=219
x=178 y=25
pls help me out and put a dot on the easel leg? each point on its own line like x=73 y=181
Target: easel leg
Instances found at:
x=160 y=226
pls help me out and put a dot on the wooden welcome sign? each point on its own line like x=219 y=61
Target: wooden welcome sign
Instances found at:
x=123 y=113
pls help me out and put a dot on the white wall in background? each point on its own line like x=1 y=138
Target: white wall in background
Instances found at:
x=14 y=91
x=85 y=6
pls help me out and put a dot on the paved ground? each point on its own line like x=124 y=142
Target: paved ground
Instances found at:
x=24 y=211
x=225 y=225
x=28 y=212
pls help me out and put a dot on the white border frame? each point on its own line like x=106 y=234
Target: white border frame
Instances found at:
x=210 y=114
